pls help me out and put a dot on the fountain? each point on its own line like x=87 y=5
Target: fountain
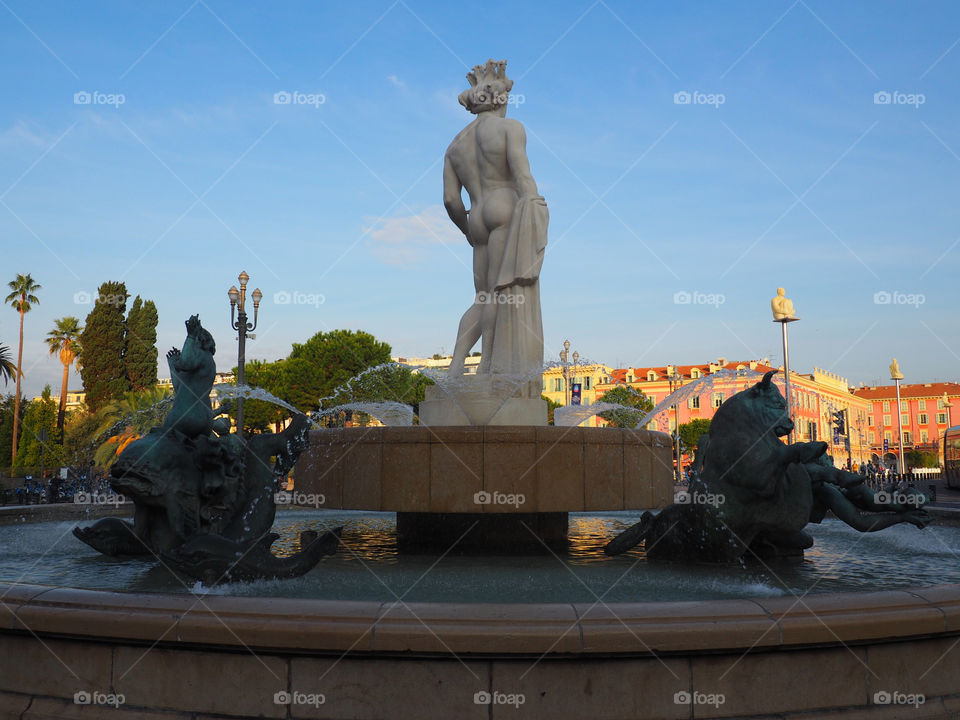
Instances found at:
x=327 y=622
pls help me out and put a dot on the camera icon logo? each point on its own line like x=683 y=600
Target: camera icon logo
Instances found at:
x=482 y=698
x=281 y=98
x=281 y=297
x=81 y=98
x=882 y=297
x=82 y=298
x=681 y=98
x=682 y=697
x=82 y=697
x=282 y=697
x=482 y=498
x=881 y=98
x=282 y=498
x=682 y=498
x=81 y=498
x=882 y=697
x=681 y=297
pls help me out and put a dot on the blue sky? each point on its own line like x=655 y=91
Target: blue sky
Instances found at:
x=782 y=170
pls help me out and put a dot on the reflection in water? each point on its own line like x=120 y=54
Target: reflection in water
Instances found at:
x=368 y=566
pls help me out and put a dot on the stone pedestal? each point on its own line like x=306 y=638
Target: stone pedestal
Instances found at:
x=483 y=400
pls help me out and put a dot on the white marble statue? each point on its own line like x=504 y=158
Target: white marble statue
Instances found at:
x=506 y=226
x=782 y=306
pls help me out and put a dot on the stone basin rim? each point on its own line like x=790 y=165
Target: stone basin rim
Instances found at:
x=309 y=626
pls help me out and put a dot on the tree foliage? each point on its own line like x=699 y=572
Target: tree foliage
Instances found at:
x=638 y=404
x=338 y=356
x=64 y=340
x=8 y=368
x=690 y=433
x=140 y=351
x=39 y=419
x=103 y=342
x=551 y=406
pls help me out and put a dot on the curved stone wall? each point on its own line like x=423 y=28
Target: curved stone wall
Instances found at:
x=179 y=656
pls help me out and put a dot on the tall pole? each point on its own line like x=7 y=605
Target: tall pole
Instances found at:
x=238 y=303
x=899 y=426
x=786 y=369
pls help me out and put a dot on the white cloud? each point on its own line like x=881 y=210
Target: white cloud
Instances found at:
x=20 y=134
x=405 y=240
x=396 y=82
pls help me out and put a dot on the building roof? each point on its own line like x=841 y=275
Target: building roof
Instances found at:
x=918 y=390
x=619 y=375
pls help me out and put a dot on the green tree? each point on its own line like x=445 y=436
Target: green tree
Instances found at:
x=390 y=383
x=79 y=438
x=920 y=459
x=551 y=406
x=64 y=340
x=338 y=356
x=6 y=419
x=140 y=352
x=8 y=368
x=636 y=406
x=690 y=433
x=39 y=420
x=260 y=415
x=21 y=298
x=103 y=341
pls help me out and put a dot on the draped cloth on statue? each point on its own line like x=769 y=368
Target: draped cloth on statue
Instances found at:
x=518 y=333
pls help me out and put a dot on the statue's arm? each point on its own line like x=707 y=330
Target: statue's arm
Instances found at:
x=518 y=162
x=452 y=199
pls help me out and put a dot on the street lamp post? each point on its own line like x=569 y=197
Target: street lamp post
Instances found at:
x=674 y=377
x=238 y=321
x=565 y=360
x=897 y=376
x=946 y=406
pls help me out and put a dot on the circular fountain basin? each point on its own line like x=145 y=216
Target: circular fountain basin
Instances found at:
x=742 y=642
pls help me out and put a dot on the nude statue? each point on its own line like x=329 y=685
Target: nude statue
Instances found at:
x=782 y=306
x=192 y=372
x=489 y=159
x=895 y=373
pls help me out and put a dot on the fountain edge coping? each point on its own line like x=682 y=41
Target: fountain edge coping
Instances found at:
x=359 y=627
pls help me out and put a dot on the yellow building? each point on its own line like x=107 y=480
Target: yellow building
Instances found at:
x=558 y=381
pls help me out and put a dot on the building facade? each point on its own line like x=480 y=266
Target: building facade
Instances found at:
x=926 y=411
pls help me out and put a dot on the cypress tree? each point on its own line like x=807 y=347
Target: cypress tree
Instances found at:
x=103 y=343
x=141 y=344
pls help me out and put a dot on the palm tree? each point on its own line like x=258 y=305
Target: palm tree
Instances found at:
x=7 y=368
x=20 y=298
x=131 y=417
x=64 y=339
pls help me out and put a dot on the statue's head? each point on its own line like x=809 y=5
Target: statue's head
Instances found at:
x=489 y=87
x=781 y=292
x=760 y=408
x=206 y=341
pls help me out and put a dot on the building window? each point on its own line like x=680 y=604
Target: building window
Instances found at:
x=651 y=376
x=717 y=399
x=558 y=384
x=941 y=418
x=904 y=421
x=907 y=437
x=586 y=382
x=695 y=373
x=940 y=404
x=888 y=437
x=922 y=419
x=694 y=402
x=673 y=424
x=922 y=404
x=873 y=437
x=886 y=419
x=904 y=406
x=924 y=438
x=869 y=419
x=812 y=431
x=886 y=406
